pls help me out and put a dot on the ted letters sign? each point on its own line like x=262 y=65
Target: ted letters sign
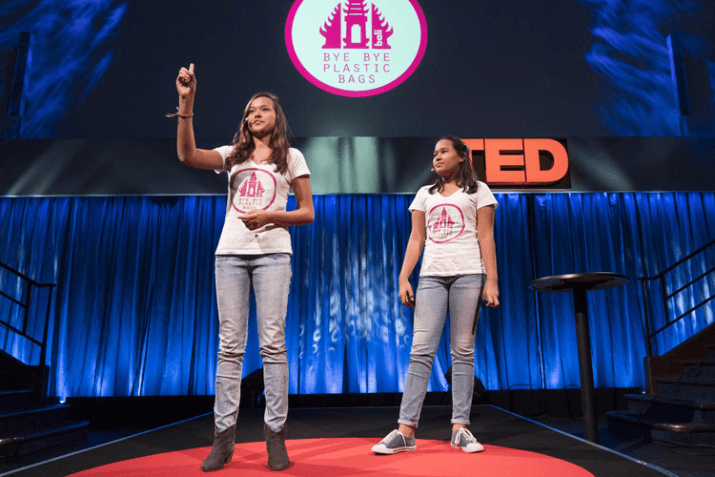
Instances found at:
x=521 y=163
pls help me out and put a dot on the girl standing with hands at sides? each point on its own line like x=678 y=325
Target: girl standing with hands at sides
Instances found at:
x=253 y=252
x=453 y=220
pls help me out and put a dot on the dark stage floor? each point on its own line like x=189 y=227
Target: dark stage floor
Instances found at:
x=683 y=461
x=494 y=427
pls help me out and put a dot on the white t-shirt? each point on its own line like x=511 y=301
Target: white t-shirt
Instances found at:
x=451 y=246
x=257 y=186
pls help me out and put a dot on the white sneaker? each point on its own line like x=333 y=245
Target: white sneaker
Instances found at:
x=464 y=440
x=395 y=442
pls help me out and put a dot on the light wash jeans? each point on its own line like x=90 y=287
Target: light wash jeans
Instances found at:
x=462 y=295
x=269 y=275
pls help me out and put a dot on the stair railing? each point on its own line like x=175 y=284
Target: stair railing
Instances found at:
x=667 y=295
x=22 y=331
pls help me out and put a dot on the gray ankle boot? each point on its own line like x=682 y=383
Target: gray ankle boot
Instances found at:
x=276 y=447
x=222 y=450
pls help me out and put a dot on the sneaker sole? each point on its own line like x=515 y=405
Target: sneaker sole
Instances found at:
x=387 y=451
x=457 y=446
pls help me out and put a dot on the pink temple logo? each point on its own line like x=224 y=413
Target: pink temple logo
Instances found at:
x=252 y=193
x=350 y=47
x=445 y=222
x=355 y=27
x=251 y=188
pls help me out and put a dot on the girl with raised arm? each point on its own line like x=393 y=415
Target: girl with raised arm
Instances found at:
x=453 y=220
x=253 y=253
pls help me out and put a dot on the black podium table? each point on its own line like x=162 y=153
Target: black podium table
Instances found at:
x=579 y=284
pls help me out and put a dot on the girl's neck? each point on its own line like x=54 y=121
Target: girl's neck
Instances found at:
x=450 y=181
x=261 y=150
x=450 y=187
x=262 y=142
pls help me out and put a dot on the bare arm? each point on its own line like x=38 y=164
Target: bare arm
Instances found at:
x=485 y=234
x=414 y=249
x=185 y=142
x=303 y=214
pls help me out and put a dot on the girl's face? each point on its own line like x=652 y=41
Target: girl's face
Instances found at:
x=446 y=161
x=261 y=118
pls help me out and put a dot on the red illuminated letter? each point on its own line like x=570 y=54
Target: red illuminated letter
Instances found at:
x=496 y=161
x=534 y=174
x=474 y=144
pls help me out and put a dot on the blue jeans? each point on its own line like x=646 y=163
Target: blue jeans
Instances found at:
x=435 y=295
x=269 y=275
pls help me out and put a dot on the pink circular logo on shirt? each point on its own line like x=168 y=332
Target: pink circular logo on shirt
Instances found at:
x=356 y=48
x=445 y=222
x=252 y=192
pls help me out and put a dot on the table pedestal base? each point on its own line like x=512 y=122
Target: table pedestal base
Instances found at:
x=585 y=365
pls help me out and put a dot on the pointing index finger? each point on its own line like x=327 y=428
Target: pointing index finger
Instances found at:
x=191 y=68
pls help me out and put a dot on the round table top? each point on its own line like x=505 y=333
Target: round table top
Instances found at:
x=583 y=281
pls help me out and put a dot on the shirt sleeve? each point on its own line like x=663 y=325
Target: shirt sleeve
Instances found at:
x=225 y=151
x=485 y=196
x=418 y=203
x=297 y=167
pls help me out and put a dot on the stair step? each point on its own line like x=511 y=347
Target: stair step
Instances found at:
x=14 y=374
x=687 y=388
x=673 y=425
x=632 y=424
x=32 y=421
x=17 y=399
x=699 y=361
x=70 y=435
x=657 y=406
x=700 y=369
x=701 y=405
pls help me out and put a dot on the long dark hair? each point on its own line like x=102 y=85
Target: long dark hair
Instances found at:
x=243 y=140
x=466 y=177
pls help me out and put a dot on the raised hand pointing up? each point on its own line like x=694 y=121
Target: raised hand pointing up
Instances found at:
x=186 y=82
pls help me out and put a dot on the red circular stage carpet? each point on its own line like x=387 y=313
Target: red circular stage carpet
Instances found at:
x=349 y=457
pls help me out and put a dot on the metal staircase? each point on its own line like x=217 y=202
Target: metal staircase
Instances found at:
x=28 y=422
x=679 y=406
x=683 y=410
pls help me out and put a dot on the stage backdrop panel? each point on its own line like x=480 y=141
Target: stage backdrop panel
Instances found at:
x=514 y=67
x=135 y=314
x=338 y=165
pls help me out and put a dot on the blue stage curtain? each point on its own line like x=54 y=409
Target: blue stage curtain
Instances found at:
x=135 y=312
